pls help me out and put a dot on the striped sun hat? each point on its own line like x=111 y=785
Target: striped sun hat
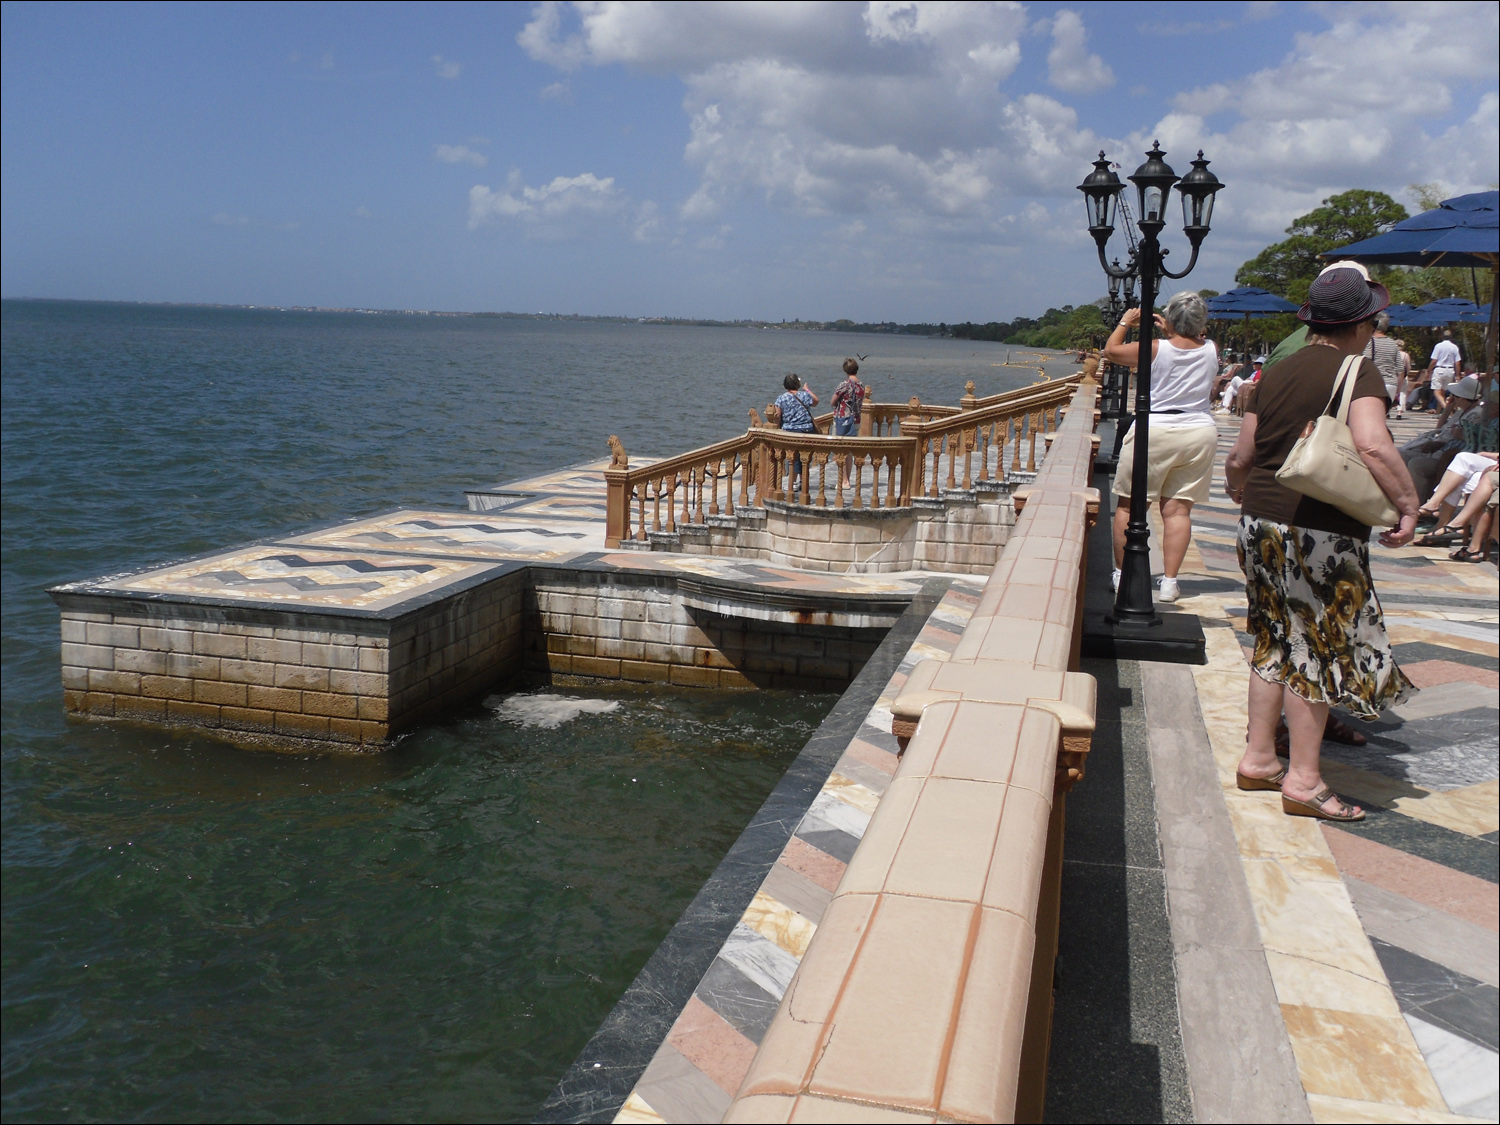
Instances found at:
x=1343 y=294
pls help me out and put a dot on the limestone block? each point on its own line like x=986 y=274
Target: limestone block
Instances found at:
x=141 y=660
x=88 y=656
x=117 y=683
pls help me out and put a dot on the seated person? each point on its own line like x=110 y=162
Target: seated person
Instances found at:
x=1478 y=517
x=1465 y=474
x=1427 y=455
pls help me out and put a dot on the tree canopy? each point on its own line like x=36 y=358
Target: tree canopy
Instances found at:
x=1288 y=267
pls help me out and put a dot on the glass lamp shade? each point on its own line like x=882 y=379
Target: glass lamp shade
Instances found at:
x=1101 y=189
x=1114 y=284
x=1153 y=181
x=1198 y=188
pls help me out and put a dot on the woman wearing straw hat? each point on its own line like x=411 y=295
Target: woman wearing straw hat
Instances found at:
x=1319 y=635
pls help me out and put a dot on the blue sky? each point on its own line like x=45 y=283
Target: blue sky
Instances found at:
x=892 y=160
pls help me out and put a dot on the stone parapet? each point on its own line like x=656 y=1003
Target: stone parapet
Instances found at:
x=926 y=990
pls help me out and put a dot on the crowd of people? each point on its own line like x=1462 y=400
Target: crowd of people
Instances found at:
x=1407 y=386
x=1319 y=635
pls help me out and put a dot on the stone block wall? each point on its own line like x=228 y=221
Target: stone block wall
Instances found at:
x=455 y=649
x=303 y=677
x=324 y=679
x=611 y=626
x=960 y=532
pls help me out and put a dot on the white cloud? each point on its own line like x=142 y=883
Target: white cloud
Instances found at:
x=1330 y=116
x=556 y=92
x=907 y=118
x=555 y=209
x=459 y=154
x=1070 y=67
x=446 y=68
x=363 y=213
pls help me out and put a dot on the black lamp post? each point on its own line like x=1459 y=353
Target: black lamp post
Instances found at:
x=1101 y=190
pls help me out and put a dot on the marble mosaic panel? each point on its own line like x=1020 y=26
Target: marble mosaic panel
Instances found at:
x=462 y=533
x=311 y=578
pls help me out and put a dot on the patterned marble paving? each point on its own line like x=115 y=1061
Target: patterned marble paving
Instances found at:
x=300 y=577
x=699 y=1066
x=1359 y=960
x=470 y=535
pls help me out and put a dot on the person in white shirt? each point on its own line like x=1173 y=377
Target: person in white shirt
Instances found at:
x=1446 y=366
x=1184 y=436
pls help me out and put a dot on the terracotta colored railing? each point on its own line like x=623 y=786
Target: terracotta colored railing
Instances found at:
x=971 y=445
x=926 y=991
x=883 y=469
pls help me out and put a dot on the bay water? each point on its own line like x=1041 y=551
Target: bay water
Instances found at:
x=194 y=931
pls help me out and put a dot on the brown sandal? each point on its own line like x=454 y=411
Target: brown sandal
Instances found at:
x=1315 y=807
x=1249 y=784
x=1336 y=730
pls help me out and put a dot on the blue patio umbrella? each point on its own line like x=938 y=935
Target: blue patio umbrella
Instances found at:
x=1454 y=310
x=1247 y=302
x=1462 y=231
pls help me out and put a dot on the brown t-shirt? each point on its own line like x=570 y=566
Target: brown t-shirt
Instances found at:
x=1291 y=394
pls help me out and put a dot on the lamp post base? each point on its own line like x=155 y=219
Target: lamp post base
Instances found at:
x=1171 y=638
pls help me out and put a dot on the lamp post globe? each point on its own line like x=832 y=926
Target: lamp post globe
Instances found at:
x=1153 y=182
x=1198 y=188
x=1101 y=189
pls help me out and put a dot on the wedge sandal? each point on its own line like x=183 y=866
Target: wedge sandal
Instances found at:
x=1251 y=784
x=1315 y=807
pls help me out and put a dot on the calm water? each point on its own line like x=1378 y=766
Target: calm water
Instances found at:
x=194 y=931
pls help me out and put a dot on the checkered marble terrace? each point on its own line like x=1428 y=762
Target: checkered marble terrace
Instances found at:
x=269 y=639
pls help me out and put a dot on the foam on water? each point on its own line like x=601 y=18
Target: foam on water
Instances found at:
x=547 y=712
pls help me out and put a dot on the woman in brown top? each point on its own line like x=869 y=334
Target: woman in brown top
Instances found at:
x=1319 y=635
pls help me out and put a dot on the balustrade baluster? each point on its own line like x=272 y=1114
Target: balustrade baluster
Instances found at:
x=983 y=434
x=857 y=480
x=893 y=464
x=1020 y=424
x=671 y=483
x=1031 y=452
x=969 y=439
x=689 y=479
x=806 y=482
x=954 y=444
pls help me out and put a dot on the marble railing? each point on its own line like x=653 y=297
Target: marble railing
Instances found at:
x=926 y=990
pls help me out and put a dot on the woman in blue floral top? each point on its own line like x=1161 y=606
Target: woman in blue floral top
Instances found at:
x=795 y=404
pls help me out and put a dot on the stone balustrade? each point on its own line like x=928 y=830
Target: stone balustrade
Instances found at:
x=926 y=991
x=936 y=447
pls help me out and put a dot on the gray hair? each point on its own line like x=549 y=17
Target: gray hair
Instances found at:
x=1187 y=314
x=1383 y=322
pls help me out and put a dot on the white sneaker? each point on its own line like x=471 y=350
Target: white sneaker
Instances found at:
x=1114 y=580
x=1168 y=591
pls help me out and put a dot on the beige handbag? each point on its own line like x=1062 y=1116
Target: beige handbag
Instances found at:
x=1326 y=465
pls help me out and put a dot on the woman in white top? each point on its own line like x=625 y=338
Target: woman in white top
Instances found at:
x=1184 y=437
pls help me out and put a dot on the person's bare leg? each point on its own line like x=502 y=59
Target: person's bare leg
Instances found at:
x=1122 y=517
x=1264 y=709
x=1305 y=723
x=1450 y=481
x=1177 y=532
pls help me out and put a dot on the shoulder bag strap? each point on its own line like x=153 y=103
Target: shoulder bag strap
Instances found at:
x=1348 y=374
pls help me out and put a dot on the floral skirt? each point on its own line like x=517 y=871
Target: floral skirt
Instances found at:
x=1315 y=618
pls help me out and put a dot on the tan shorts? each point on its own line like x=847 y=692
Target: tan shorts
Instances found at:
x=1444 y=377
x=1181 y=463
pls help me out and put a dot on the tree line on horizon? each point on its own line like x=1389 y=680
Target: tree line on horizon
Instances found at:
x=1285 y=268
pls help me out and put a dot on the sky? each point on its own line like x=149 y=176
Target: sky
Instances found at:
x=891 y=160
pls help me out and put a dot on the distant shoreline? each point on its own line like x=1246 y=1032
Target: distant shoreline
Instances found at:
x=890 y=328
